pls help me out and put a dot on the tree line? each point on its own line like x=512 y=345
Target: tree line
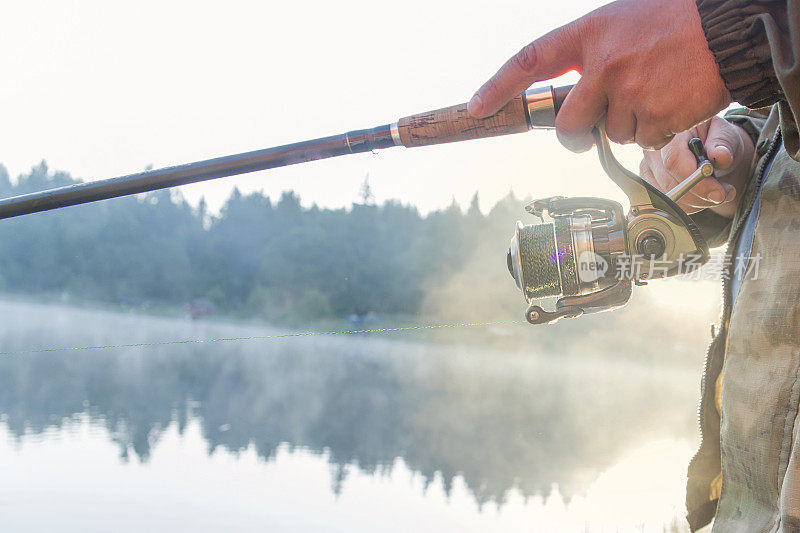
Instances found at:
x=258 y=257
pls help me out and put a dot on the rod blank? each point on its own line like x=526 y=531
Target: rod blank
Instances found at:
x=536 y=108
x=290 y=154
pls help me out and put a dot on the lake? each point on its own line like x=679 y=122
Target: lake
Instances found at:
x=377 y=432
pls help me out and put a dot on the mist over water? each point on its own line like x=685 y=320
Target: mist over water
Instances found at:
x=584 y=425
x=449 y=425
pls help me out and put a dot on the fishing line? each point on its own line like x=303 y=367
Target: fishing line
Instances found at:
x=261 y=337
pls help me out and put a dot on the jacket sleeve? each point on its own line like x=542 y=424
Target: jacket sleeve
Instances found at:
x=756 y=44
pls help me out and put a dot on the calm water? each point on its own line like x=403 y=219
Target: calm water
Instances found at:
x=377 y=433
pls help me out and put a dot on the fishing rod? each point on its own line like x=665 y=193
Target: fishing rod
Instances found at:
x=534 y=109
x=585 y=252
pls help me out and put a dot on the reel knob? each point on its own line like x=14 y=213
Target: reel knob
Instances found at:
x=699 y=150
x=652 y=245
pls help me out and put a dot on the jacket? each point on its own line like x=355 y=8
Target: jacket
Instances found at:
x=746 y=473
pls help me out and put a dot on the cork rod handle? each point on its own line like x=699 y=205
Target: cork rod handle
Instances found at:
x=454 y=123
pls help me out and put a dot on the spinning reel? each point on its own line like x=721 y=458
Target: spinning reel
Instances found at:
x=589 y=254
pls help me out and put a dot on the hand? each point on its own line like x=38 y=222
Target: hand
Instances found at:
x=729 y=148
x=645 y=64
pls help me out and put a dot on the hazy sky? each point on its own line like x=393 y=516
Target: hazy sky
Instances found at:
x=102 y=89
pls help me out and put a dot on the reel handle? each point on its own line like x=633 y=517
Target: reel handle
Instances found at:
x=698 y=149
x=534 y=109
x=704 y=170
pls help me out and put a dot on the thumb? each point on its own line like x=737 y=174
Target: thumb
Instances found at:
x=723 y=145
x=547 y=57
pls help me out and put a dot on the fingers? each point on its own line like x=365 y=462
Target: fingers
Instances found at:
x=582 y=109
x=678 y=164
x=724 y=145
x=548 y=57
x=709 y=193
x=650 y=161
x=673 y=165
x=666 y=168
x=620 y=124
x=649 y=137
x=677 y=159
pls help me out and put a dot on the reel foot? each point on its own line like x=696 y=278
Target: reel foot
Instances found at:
x=536 y=315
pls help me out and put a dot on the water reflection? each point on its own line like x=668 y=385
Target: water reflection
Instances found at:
x=505 y=426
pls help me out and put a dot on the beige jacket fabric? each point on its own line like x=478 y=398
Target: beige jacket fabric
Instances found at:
x=732 y=392
x=746 y=474
x=760 y=383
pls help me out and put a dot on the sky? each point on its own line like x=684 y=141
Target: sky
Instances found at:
x=102 y=89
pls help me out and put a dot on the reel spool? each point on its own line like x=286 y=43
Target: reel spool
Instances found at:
x=588 y=253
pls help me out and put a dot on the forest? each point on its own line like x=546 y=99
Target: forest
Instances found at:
x=258 y=257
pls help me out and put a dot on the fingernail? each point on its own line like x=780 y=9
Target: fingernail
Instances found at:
x=474 y=105
x=723 y=148
x=717 y=197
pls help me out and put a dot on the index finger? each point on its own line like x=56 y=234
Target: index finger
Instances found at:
x=547 y=57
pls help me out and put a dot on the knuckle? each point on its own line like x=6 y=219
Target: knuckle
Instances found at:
x=700 y=191
x=647 y=174
x=670 y=158
x=662 y=140
x=566 y=138
x=527 y=59
x=728 y=135
x=614 y=66
x=606 y=62
x=716 y=137
x=617 y=135
x=574 y=142
x=490 y=88
x=617 y=131
x=644 y=115
x=716 y=122
x=653 y=114
x=652 y=139
x=566 y=128
x=570 y=131
x=628 y=91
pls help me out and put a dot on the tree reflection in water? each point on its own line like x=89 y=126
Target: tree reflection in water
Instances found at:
x=499 y=420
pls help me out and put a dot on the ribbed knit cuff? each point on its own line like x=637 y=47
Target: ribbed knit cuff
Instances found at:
x=736 y=37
